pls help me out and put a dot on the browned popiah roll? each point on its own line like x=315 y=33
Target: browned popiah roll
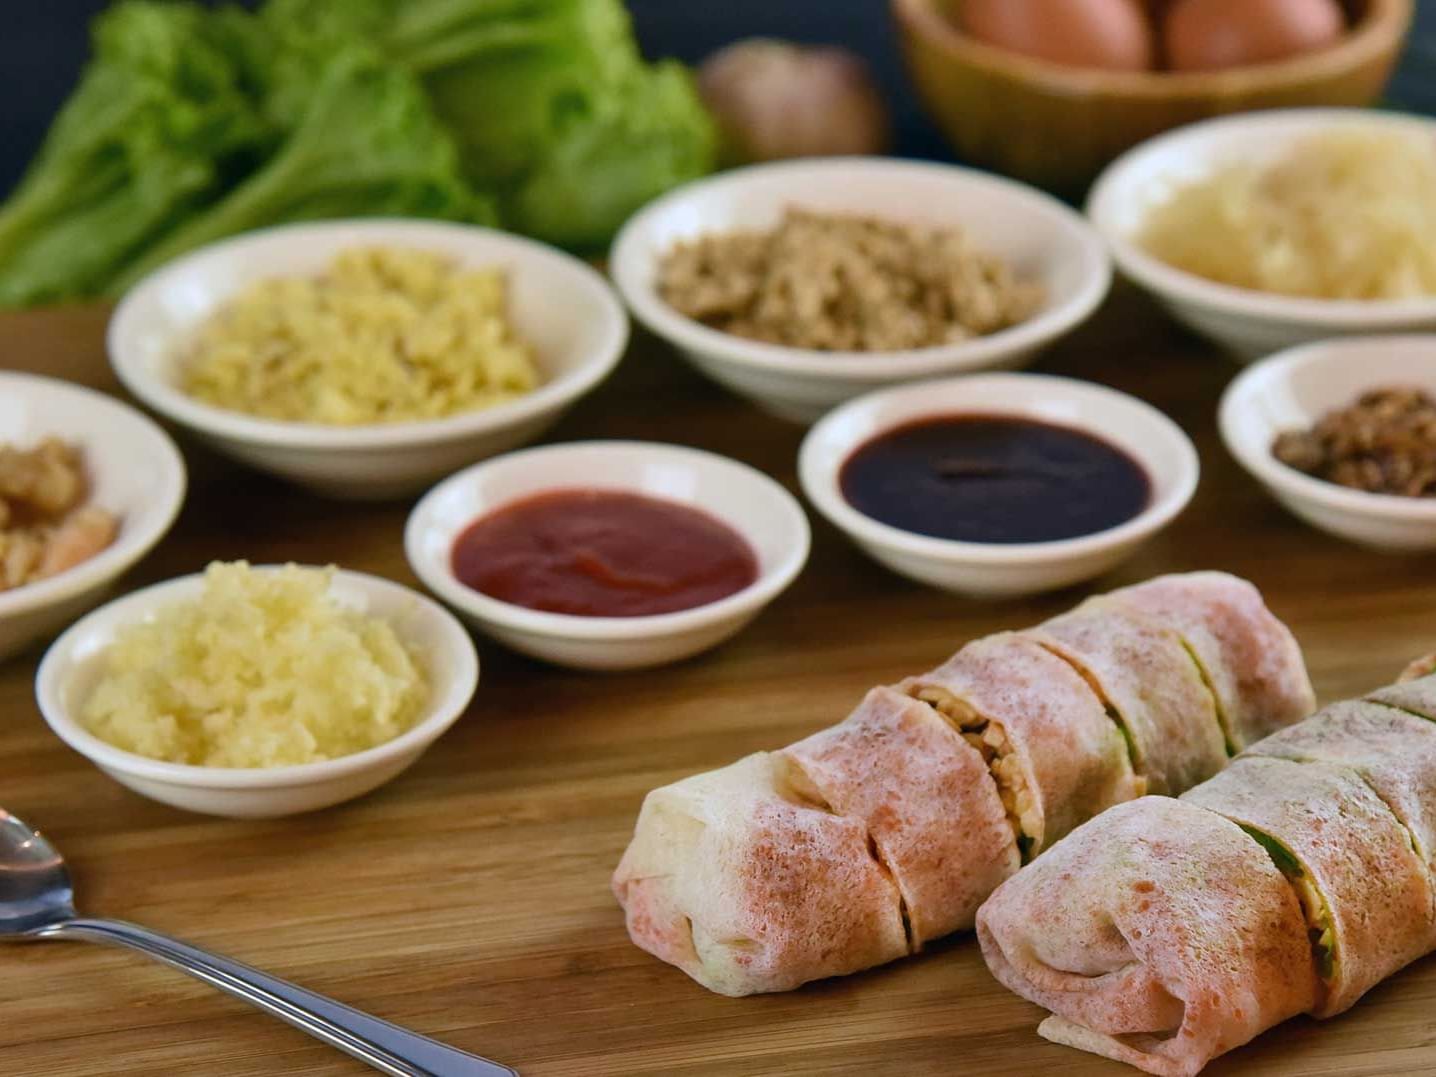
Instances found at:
x=1144 y=904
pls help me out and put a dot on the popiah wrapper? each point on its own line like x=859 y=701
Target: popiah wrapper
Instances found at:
x=926 y=798
x=1142 y=671
x=1393 y=751
x=1417 y=695
x=1058 y=758
x=1418 y=668
x=1249 y=659
x=741 y=885
x=1366 y=893
x=1158 y=934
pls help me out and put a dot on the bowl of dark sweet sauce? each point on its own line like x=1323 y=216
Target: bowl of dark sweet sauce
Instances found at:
x=1001 y=484
x=608 y=554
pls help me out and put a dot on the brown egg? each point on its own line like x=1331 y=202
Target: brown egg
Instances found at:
x=1203 y=35
x=1111 y=34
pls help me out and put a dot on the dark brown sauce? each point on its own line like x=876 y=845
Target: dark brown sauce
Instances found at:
x=994 y=479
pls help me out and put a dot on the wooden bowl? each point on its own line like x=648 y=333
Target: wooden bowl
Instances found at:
x=1057 y=126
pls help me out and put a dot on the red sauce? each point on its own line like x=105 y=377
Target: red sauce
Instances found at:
x=600 y=553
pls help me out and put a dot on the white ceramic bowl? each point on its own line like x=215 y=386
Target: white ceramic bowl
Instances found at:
x=1002 y=570
x=135 y=472
x=751 y=503
x=73 y=664
x=564 y=307
x=1039 y=236
x=1290 y=391
x=1247 y=323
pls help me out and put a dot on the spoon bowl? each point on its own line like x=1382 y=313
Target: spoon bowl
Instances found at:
x=35 y=888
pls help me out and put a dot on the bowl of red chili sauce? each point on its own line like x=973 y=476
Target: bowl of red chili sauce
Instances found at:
x=608 y=554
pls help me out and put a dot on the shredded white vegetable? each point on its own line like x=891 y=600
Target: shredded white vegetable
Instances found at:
x=1343 y=214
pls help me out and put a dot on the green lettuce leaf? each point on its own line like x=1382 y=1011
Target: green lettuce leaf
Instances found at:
x=650 y=136
x=365 y=144
x=159 y=123
x=549 y=101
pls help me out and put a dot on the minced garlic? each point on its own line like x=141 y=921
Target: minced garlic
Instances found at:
x=263 y=669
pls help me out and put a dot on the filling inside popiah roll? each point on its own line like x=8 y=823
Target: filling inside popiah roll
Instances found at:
x=1055 y=753
x=1314 y=910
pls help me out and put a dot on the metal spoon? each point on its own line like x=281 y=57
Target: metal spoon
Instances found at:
x=37 y=902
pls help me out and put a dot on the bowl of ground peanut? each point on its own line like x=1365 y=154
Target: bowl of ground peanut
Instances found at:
x=1343 y=434
x=802 y=284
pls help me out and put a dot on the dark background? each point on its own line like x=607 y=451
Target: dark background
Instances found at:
x=43 y=45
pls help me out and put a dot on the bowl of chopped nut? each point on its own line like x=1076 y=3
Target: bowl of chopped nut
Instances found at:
x=1343 y=433
x=87 y=486
x=802 y=284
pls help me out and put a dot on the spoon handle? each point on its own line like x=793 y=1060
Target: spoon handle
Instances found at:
x=386 y=1047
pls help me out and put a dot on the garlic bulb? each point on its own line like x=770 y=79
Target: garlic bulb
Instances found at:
x=773 y=99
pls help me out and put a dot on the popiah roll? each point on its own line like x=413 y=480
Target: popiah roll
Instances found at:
x=1364 y=891
x=1392 y=750
x=735 y=879
x=1057 y=756
x=1159 y=934
x=1151 y=686
x=922 y=791
x=1248 y=658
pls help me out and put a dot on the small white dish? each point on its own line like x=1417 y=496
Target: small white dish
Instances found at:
x=1040 y=237
x=561 y=305
x=1295 y=388
x=755 y=506
x=1248 y=323
x=135 y=472
x=73 y=664
x=992 y=569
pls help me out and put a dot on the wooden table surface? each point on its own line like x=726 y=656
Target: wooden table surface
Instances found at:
x=469 y=898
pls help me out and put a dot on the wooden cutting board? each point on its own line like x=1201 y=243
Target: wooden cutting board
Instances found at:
x=469 y=898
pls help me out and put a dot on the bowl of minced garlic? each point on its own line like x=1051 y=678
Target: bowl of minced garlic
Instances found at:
x=368 y=358
x=259 y=691
x=381 y=335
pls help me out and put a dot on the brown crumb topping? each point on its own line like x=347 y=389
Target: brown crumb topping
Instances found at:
x=845 y=283
x=1384 y=443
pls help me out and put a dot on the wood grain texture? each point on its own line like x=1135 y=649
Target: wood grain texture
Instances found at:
x=469 y=898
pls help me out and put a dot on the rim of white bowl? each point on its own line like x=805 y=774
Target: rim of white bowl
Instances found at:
x=440 y=579
x=446 y=708
x=821 y=483
x=1259 y=462
x=169 y=488
x=1179 y=285
x=631 y=266
x=609 y=340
